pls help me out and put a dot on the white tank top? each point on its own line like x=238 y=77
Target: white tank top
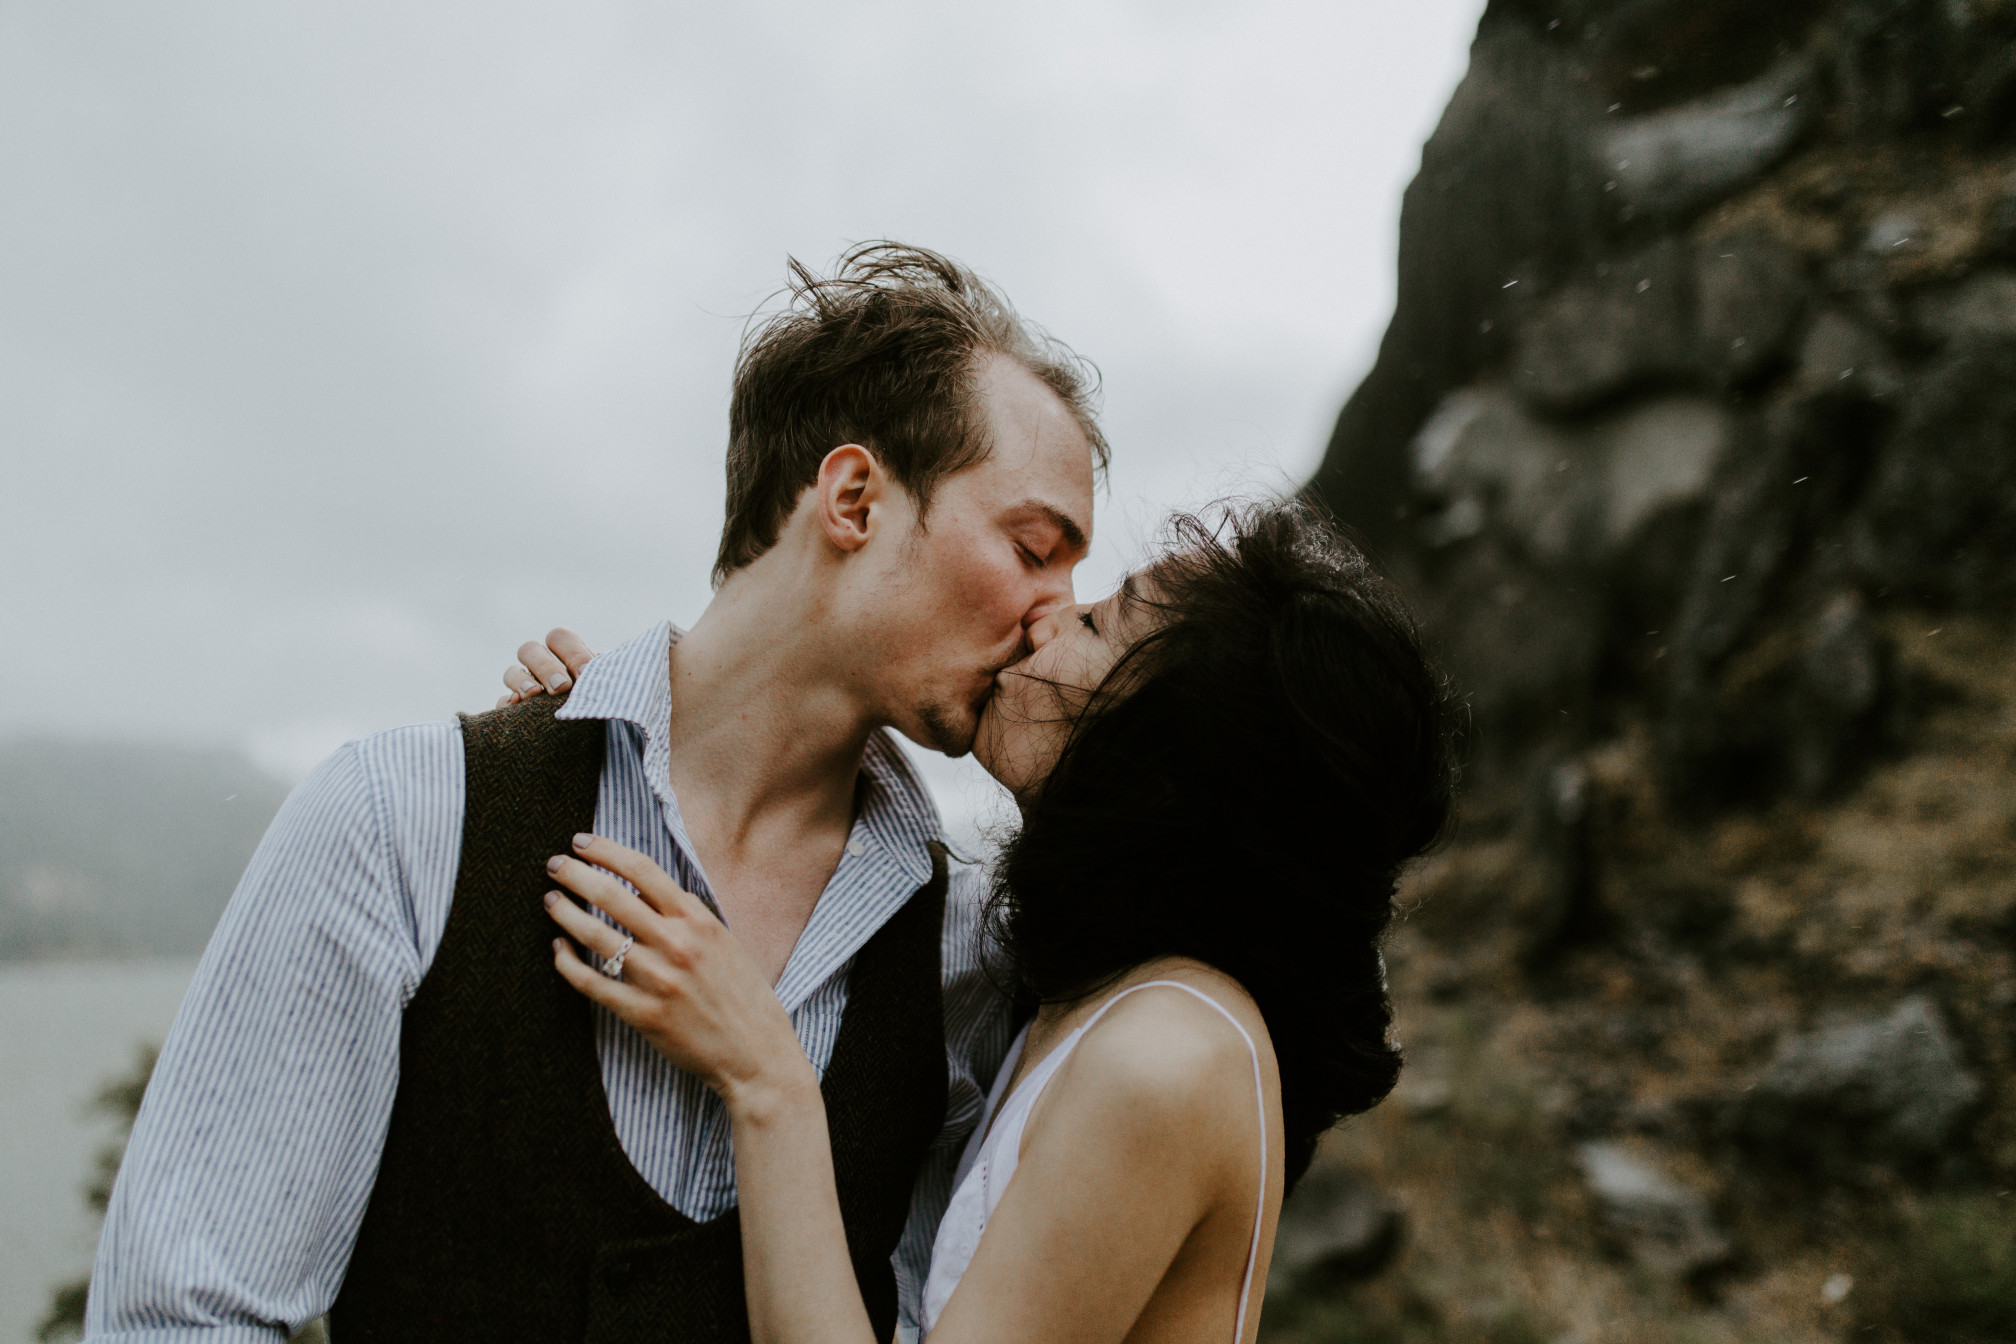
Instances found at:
x=989 y=1161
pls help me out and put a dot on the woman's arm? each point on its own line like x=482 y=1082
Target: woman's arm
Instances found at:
x=795 y=1266
x=691 y=990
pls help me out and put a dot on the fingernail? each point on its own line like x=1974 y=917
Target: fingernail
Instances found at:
x=583 y=840
x=527 y=687
x=552 y=899
x=559 y=944
x=563 y=683
x=553 y=864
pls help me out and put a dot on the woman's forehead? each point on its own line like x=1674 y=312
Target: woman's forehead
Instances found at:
x=1126 y=594
x=1136 y=594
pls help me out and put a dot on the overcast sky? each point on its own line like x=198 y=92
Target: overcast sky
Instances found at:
x=344 y=346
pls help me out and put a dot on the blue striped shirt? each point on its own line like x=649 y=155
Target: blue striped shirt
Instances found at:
x=255 y=1152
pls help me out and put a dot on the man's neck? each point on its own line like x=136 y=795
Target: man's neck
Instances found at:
x=766 y=745
x=766 y=741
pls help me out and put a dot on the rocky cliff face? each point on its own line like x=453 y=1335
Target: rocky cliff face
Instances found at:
x=1706 y=331
x=1694 y=439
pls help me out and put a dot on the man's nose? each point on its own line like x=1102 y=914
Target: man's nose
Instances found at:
x=1053 y=599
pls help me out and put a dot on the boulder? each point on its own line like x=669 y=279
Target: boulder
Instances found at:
x=1665 y=1226
x=1902 y=65
x=1564 y=494
x=1616 y=326
x=1980 y=308
x=1538 y=529
x=1841 y=357
x=1658 y=453
x=1998 y=231
x=1751 y=293
x=1938 y=524
x=1842 y=676
x=1485 y=460
x=1335 y=1229
x=1671 y=163
x=1888 y=1089
x=1778 y=675
x=1522 y=644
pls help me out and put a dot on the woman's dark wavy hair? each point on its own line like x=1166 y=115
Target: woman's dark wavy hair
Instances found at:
x=1243 y=789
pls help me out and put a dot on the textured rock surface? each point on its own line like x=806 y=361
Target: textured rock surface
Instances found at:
x=1693 y=439
x=1670 y=163
x=1335 y=1229
x=1667 y=1227
x=1887 y=1089
x=1802 y=219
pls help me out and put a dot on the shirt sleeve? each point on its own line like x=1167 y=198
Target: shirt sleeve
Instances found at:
x=979 y=1026
x=254 y=1153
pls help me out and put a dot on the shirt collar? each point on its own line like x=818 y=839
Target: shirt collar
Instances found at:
x=632 y=684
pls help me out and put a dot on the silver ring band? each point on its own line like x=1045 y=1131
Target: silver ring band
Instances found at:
x=613 y=968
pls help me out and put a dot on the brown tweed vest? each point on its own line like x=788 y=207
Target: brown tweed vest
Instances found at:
x=505 y=1208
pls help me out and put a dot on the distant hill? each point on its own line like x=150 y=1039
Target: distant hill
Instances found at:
x=117 y=849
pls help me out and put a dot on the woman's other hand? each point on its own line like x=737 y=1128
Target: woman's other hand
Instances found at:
x=551 y=666
x=687 y=986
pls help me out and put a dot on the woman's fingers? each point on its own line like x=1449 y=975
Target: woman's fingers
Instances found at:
x=627 y=1002
x=604 y=940
x=642 y=872
x=539 y=660
x=519 y=684
x=606 y=894
x=690 y=991
x=572 y=651
x=644 y=966
x=541 y=668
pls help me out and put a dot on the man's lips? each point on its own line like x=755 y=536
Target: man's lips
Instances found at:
x=992 y=685
x=1022 y=653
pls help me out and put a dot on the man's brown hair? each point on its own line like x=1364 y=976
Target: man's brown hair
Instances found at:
x=882 y=353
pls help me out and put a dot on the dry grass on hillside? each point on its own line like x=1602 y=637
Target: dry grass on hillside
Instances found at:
x=1695 y=952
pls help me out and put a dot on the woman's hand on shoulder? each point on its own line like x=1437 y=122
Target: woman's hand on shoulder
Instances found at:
x=543 y=667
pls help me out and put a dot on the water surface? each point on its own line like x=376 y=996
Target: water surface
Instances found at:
x=65 y=1029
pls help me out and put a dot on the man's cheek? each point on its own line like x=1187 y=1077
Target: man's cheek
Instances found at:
x=995 y=596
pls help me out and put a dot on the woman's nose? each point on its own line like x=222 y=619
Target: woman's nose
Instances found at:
x=1044 y=627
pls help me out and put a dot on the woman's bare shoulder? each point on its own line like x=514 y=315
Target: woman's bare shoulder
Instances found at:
x=1163 y=1049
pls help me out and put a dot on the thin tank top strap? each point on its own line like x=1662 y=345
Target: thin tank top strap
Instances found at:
x=1260 y=1099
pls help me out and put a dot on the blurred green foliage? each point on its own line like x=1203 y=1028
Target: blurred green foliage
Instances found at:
x=1955 y=1274
x=120 y=1099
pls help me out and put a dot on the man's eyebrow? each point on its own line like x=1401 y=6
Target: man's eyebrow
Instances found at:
x=1073 y=534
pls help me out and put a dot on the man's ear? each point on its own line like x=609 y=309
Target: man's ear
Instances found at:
x=849 y=494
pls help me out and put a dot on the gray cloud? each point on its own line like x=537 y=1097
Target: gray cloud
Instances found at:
x=342 y=347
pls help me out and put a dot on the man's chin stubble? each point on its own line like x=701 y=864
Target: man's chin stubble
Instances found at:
x=942 y=734
x=947 y=732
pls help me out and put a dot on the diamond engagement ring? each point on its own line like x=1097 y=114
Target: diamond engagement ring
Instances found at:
x=613 y=968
